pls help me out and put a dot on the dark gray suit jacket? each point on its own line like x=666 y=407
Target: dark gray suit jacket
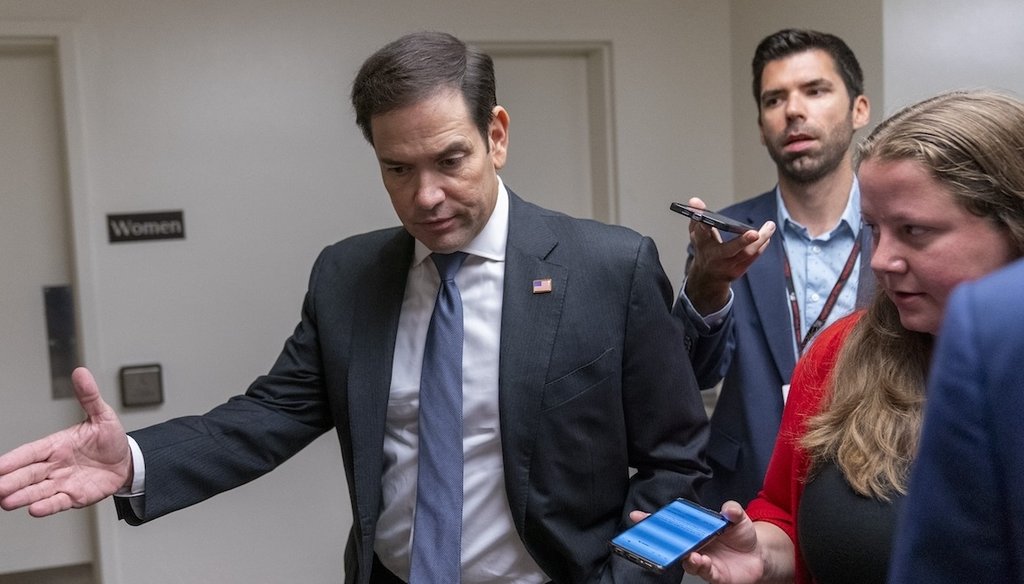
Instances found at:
x=591 y=384
x=752 y=355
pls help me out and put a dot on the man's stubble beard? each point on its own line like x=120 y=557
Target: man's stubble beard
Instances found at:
x=804 y=168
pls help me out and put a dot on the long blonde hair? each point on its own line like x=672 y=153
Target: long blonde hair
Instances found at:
x=973 y=143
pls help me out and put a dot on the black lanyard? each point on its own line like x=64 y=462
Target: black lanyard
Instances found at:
x=830 y=303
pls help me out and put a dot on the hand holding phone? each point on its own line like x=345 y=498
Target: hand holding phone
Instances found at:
x=720 y=222
x=669 y=534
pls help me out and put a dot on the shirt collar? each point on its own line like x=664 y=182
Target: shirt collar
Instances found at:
x=850 y=218
x=490 y=242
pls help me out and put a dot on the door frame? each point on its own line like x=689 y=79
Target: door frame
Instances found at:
x=601 y=114
x=61 y=36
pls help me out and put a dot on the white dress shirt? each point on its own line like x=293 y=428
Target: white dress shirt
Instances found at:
x=491 y=549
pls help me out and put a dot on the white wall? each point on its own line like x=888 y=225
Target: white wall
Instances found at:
x=938 y=45
x=237 y=112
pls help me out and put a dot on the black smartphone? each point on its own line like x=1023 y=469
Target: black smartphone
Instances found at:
x=669 y=534
x=720 y=222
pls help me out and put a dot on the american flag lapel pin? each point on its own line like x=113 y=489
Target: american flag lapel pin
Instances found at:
x=542 y=286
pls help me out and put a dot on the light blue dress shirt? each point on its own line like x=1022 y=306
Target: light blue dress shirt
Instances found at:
x=817 y=262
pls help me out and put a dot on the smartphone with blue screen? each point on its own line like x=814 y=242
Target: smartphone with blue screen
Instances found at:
x=669 y=534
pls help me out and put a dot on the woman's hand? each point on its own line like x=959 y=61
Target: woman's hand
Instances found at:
x=745 y=553
x=733 y=557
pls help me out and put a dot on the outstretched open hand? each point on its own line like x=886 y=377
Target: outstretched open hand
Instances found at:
x=72 y=468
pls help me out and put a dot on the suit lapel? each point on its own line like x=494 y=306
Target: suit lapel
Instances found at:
x=374 y=328
x=529 y=322
x=767 y=290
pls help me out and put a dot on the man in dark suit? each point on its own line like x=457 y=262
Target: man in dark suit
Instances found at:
x=575 y=408
x=963 y=519
x=748 y=321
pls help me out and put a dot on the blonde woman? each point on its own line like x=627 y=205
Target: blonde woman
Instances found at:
x=942 y=190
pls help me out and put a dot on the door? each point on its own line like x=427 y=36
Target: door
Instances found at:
x=35 y=254
x=560 y=133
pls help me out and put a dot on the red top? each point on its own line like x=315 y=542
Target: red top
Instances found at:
x=779 y=499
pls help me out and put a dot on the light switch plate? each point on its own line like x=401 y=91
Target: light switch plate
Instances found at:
x=142 y=385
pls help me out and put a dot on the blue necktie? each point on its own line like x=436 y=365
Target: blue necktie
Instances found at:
x=437 y=531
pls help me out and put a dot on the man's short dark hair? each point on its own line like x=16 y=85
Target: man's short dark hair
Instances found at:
x=418 y=66
x=791 y=41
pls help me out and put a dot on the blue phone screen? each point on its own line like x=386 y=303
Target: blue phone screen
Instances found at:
x=671 y=532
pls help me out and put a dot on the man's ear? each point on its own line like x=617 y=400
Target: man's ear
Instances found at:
x=861 y=112
x=497 y=137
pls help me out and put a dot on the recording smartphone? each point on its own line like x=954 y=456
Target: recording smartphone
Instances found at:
x=669 y=534
x=720 y=222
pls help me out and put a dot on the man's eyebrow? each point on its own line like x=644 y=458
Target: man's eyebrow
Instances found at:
x=817 y=82
x=390 y=161
x=458 y=147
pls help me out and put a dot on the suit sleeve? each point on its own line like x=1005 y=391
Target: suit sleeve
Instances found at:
x=192 y=458
x=950 y=528
x=710 y=349
x=654 y=378
x=667 y=427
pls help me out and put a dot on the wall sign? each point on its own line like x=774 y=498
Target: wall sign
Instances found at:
x=146 y=226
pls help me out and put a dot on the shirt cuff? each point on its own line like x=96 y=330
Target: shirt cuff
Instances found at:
x=705 y=324
x=138 y=486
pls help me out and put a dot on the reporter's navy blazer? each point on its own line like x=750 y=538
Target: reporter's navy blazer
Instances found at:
x=752 y=354
x=591 y=384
